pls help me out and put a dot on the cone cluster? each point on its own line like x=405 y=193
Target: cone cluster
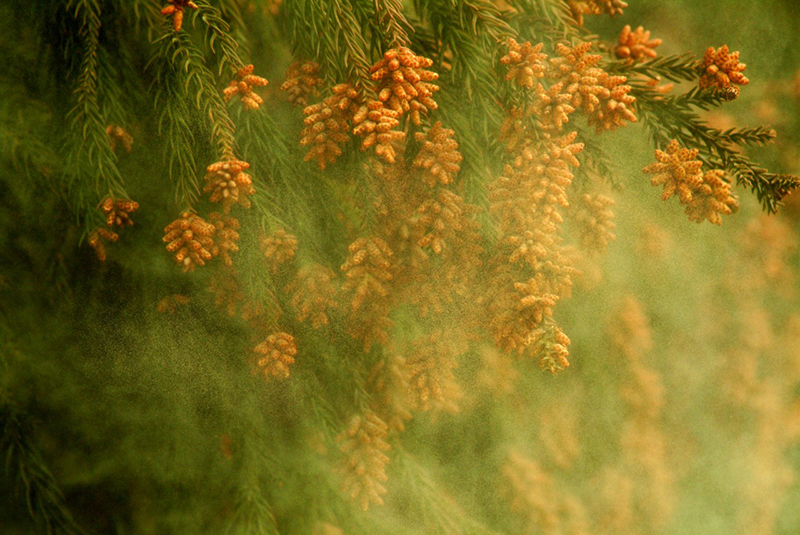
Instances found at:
x=722 y=69
x=367 y=270
x=243 y=87
x=580 y=8
x=328 y=124
x=441 y=219
x=368 y=273
x=228 y=184
x=636 y=44
x=377 y=124
x=279 y=248
x=190 y=237
x=389 y=382
x=276 y=354
x=706 y=196
x=363 y=465
x=96 y=241
x=594 y=219
x=525 y=62
x=603 y=97
x=302 y=82
x=404 y=84
x=226 y=236
x=438 y=156
x=532 y=269
x=118 y=211
x=118 y=136
x=313 y=295
x=176 y=9
x=431 y=380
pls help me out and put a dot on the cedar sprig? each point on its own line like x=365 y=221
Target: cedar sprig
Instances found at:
x=208 y=99
x=676 y=68
x=544 y=20
x=676 y=117
x=89 y=153
x=235 y=14
x=389 y=27
x=182 y=61
x=147 y=16
x=252 y=512
x=24 y=463
x=22 y=145
x=596 y=163
x=219 y=40
x=471 y=31
x=177 y=121
x=328 y=32
x=280 y=202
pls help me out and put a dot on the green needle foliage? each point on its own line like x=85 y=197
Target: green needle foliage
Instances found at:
x=325 y=304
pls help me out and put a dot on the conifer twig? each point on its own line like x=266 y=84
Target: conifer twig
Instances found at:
x=219 y=39
x=23 y=462
x=391 y=21
x=675 y=117
x=182 y=78
x=328 y=32
x=253 y=514
x=676 y=68
x=90 y=153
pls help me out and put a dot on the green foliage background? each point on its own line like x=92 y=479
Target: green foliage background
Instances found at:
x=111 y=413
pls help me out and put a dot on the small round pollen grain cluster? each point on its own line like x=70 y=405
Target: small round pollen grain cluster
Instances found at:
x=367 y=268
x=191 y=239
x=722 y=69
x=96 y=241
x=243 y=86
x=636 y=45
x=706 y=196
x=388 y=382
x=525 y=62
x=328 y=124
x=580 y=8
x=616 y=106
x=404 y=83
x=594 y=219
x=176 y=9
x=279 y=248
x=712 y=199
x=363 y=466
x=119 y=136
x=431 y=380
x=302 y=81
x=376 y=124
x=550 y=345
x=438 y=156
x=225 y=237
x=118 y=212
x=313 y=294
x=552 y=106
x=440 y=220
x=276 y=354
x=677 y=170
x=228 y=183
x=603 y=97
